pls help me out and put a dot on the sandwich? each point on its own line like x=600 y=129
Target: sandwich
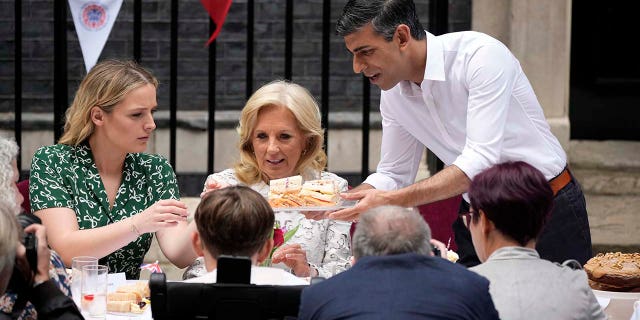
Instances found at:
x=317 y=193
x=129 y=298
x=290 y=192
x=284 y=192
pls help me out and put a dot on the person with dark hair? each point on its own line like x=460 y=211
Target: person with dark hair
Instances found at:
x=465 y=97
x=237 y=221
x=509 y=205
x=396 y=276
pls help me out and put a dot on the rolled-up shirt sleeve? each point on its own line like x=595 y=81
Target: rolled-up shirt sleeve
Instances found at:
x=490 y=81
x=400 y=154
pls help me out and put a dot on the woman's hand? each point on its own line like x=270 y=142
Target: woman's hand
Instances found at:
x=294 y=257
x=213 y=184
x=162 y=214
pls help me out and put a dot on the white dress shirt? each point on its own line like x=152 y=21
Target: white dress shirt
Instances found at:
x=474 y=108
x=259 y=276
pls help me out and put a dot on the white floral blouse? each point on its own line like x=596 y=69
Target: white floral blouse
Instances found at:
x=327 y=242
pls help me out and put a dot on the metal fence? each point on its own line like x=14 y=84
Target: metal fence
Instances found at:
x=438 y=23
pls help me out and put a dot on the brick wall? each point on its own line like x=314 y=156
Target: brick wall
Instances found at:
x=345 y=87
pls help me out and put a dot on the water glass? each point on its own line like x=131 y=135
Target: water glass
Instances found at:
x=94 y=290
x=76 y=274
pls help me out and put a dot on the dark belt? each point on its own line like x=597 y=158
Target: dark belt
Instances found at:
x=560 y=181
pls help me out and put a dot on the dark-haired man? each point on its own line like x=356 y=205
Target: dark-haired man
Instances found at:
x=465 y=97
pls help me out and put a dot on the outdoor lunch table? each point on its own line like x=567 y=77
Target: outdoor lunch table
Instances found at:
x=617 y=305
x=116 y=280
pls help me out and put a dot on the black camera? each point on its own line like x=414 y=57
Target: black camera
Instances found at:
x=20 y=282
x=30 y=241
x=436 y=251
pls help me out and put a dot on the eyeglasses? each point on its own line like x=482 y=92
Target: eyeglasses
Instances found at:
x=466 y=218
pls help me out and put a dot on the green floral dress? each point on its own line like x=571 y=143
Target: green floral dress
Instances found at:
x=66 y=176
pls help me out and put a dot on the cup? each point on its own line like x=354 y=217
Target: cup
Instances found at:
x=76 y=274
x=94 y=290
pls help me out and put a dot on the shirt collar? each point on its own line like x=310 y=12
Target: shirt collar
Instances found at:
x=434 y=66
x=508 y=253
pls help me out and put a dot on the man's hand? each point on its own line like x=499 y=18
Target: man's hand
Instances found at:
x=368 y=198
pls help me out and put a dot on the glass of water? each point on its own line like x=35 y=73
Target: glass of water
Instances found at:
x=76 y=274
x=94 y=290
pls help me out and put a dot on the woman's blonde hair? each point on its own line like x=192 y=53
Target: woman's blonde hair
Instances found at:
x=304 y=108
x=105 y=86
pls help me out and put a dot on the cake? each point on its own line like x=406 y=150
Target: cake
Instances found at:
x=290 y=192
x=614 y=271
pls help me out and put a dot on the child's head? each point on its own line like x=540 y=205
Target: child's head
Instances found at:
x=234 y=221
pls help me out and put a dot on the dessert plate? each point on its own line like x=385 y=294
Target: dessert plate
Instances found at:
x=617 y=295
x=343 y=204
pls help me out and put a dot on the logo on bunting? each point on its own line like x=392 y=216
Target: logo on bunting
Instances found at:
x=93 y=20
x=93 y=16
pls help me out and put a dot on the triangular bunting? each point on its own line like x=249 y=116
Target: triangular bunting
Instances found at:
x=93 y=21
x=217 y=10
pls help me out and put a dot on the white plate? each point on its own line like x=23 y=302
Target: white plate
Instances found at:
x=617 y=295
x=341 y=205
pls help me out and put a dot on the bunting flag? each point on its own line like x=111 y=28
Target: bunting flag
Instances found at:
x=217 y=10
x=93 y=21
x=153 y=267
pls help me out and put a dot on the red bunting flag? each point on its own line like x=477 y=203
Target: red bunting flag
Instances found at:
x=217 y=10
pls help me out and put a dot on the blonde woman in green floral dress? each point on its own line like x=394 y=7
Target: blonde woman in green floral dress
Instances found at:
x=95 y=191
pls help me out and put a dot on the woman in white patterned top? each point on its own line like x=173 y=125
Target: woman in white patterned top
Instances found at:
x=281 y=136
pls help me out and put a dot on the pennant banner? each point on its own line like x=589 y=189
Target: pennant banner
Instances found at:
x=93 y=21
x=217 y=10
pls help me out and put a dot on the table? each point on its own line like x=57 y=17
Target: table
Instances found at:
x=116 y=280
x=617 y=305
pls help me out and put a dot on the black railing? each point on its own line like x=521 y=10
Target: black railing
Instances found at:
x=438 y=23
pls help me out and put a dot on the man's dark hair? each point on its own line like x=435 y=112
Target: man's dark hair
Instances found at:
x=388 y=230
x=234 y=221
x=384 y=15
x=515 y=196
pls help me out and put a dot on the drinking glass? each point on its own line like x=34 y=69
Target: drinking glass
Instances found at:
x=76 y=274
x=94 y=290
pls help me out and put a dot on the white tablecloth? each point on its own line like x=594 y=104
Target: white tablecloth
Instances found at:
x=116 y=280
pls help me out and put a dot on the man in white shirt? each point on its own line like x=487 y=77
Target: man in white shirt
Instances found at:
x=465 y=97
x=237 y=221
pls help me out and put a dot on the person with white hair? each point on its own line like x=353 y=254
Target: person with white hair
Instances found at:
x=11 y=199
x=396 y=276
x=9 y=175
x=21 y=283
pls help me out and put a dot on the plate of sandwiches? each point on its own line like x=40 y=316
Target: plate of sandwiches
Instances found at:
x=294 y=194
x=129 y=299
